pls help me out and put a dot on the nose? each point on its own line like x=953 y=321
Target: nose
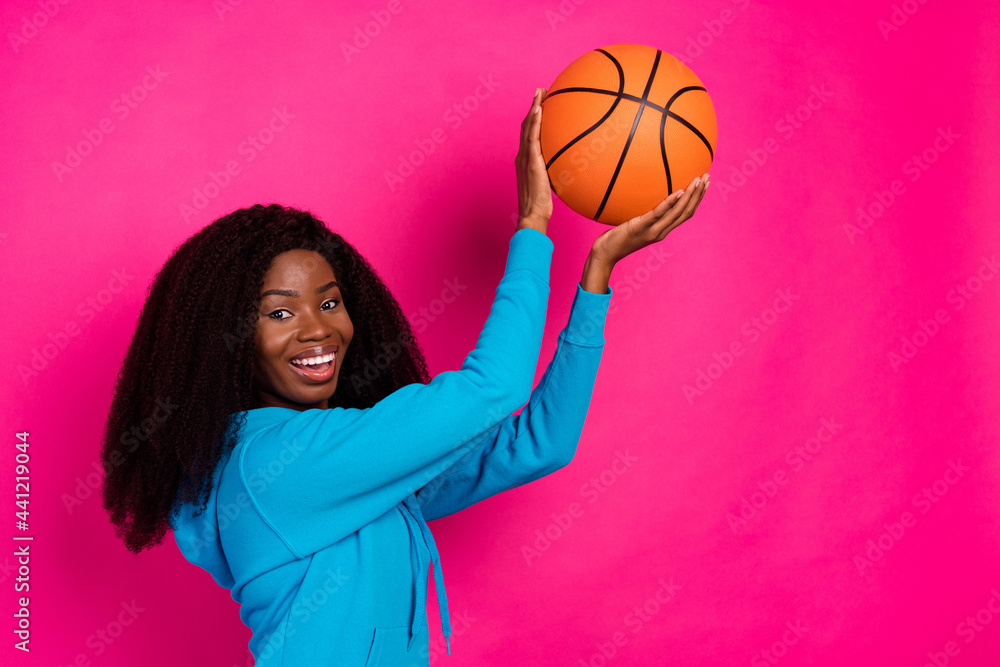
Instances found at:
x=314 y=326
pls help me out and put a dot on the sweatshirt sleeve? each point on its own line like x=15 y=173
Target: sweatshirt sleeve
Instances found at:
x=323 y=474
x=544 y=436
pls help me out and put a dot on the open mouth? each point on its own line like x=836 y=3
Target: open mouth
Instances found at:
x=320 y=372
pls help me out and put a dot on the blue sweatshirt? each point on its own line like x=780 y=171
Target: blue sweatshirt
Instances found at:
x=317 y=519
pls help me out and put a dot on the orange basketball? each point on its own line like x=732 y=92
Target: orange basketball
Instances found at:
x=623 y=127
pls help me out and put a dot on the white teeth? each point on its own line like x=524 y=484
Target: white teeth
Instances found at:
x=312 y=361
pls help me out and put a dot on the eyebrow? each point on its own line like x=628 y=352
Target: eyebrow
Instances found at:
x=294 y=294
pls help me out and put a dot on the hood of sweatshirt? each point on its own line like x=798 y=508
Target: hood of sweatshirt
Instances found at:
x=199 y=538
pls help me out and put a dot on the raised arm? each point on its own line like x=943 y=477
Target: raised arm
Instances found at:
x=544 y=436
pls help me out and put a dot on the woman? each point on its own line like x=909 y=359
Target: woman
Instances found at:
x=305 y=445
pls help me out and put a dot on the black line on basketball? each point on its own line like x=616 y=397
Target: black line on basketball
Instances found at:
x=668 y=112
x=635 y=124
x=663 y=126
x=603 y=91
x=663 y=152
x=679 y=93
x=693 y=129
x=621 y=87
x=623 y=95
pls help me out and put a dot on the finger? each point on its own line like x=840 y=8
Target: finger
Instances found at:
x=535 y=132
x=530 y=118
x=691 y=205
x=687 y=208
x=674 y=214
x=662 y=208
x=677 y=202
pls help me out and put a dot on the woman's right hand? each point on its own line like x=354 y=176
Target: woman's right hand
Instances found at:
x=639 y=232
x=534 y=192
x=652 y=227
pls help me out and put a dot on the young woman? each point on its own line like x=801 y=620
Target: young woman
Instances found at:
x=275 y=411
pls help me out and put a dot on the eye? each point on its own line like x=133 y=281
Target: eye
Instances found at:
x=283 y=310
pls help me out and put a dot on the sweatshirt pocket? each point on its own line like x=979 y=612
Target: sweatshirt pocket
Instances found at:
x=389 y=648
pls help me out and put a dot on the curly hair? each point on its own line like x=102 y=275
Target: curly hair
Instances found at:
x=189 y=366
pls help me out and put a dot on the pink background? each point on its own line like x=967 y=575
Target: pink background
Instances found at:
x=858 y=297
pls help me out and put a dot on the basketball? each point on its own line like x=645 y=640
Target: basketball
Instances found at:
x=623 y=127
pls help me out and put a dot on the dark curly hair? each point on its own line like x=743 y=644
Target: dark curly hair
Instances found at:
x=189 y=366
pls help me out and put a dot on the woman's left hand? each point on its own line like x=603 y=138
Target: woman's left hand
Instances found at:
x=534 y=192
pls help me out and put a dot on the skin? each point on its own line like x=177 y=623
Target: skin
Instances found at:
x=535 y=207
x=289 y=325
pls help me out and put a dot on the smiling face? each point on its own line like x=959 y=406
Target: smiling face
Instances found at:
x=302 y=317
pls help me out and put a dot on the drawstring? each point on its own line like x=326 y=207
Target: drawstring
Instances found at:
x=413 y=516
